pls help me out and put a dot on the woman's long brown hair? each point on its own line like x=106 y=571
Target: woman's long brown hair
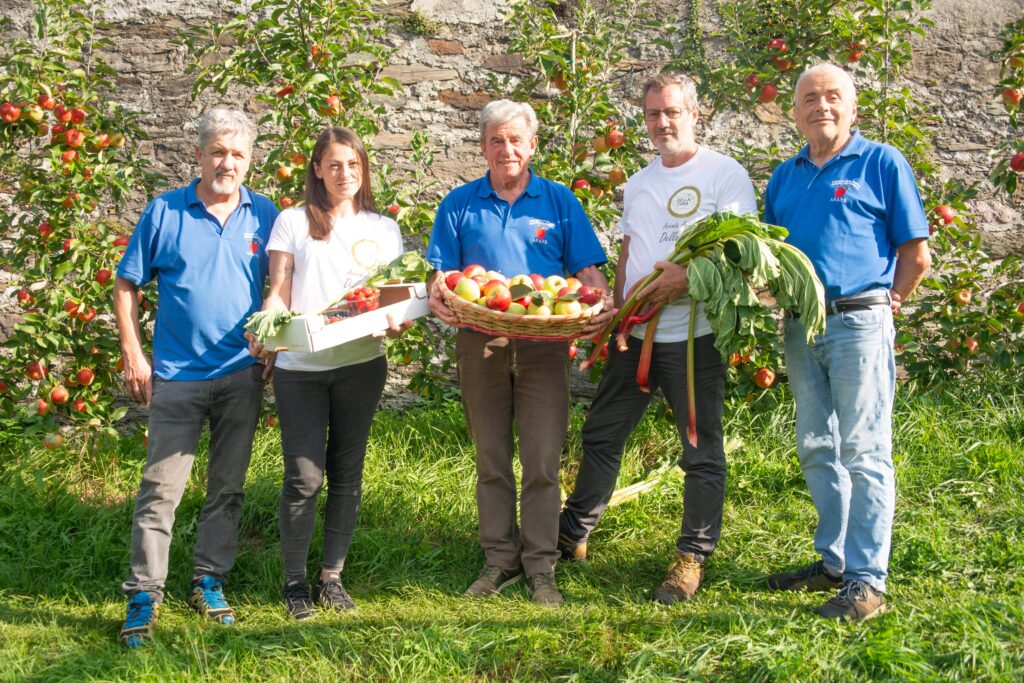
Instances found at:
x=318 y=204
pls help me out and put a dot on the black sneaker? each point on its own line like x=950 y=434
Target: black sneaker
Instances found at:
x=333 y=595
x=856 y=601
x=813 y=577
x=492 y=580
x=297 y=600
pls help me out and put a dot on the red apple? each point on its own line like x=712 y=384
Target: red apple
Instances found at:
x=945 y=213
x=600 y=144
x=87 y=315
x=734 y=359
x=473 y=269
x=1012 y=97
x=1017 y=162
x=616 y=176
x=53 y=440
x=452 y=278
x=768 y=93
x=573 y=350
x=42 y=407
x=63 y=114
x=121 y=241
x=764 y=378
x=972 y=344
x=78 y=115
x=752 y=82
x=498 y=297
x=44 y=229
x=3 y=387
x=71 y=308
x=36 y=370
x=103 y=276
x=286 y=202
x=589 y=295
x=615 y=138
x=285 y=91
x=24 y=296
x=580 y=184
x=74 y=137
x=59 y=395
x=9 y=112
x=537 y=280
x=85 y=376
x=394 y=209
x=46 y=101
x=79 y=405
x=778 y=45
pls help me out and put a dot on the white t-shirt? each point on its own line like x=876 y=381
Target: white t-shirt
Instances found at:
x=326 y=269
x=659 y=203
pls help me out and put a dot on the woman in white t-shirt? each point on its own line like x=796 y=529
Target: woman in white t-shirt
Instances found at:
x=326 y=400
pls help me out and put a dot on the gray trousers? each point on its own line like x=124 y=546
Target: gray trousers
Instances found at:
x=179 y=411
x=325 y=424
x=527 y=382
x=614 y=415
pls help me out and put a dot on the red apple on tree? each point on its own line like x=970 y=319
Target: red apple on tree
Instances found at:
x=752 y=82
x=42 y=407
x=85 y=376
x=79 y=405
x=36 y=370
x=600 y=144
x=74 y=137
x=972 y=344
x=778 y=45
x=46 y=101
x=24 y=296
x=1012 y=97
x=616 y=176
x=59 y=395
x=9 y=112
x=103 y=276
x=764 y=378
x=580 y=184
x=615 y=138
x=1017 y=162
x=945 y=213
x=768 y=93
x=78 y=115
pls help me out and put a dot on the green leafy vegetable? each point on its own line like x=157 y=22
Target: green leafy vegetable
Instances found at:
x=409 y=267
x=264 y=324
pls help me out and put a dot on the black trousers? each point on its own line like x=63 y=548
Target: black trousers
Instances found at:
x=614 y=415
x=325 y=424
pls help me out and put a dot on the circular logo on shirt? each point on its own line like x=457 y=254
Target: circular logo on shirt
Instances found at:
x=364 y=252
x=684 y=202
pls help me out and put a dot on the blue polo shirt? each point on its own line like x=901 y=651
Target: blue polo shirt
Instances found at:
x=545 y=231
x=850 y=215
x=209 y=279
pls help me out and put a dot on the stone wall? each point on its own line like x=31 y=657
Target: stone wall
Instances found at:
x=445 y=76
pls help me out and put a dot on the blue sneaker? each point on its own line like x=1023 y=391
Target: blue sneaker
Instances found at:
x=208 y=600
x=139 y=623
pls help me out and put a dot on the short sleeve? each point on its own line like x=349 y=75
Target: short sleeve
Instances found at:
x=582 y=247
x=444 y=251
x=905 y=216
x=736 y=193
x=137 y=263
x=769 y=196
x=282 y=237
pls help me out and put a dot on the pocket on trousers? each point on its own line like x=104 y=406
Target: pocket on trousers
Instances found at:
x=256 y=370
x=869 y=319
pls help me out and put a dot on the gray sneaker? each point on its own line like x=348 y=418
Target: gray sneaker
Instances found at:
x=856 y=601
x=332 y=594
x=492 y=580
x=543 y=590
x=813 y=577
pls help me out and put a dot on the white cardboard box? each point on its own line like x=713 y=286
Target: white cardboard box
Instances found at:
x=313 y=333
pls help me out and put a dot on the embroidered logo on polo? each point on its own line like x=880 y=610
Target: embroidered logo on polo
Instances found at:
x=842 y=188
x=255 y=242
x=684 y=202
x=540 y=229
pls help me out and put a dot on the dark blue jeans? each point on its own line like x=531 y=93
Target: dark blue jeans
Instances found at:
x=614 y=415
x=325 y=424
x=179 y=411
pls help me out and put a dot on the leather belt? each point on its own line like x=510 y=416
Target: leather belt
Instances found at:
x=858 y=303
x=853 y=303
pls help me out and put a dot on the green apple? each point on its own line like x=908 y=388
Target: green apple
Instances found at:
x=542 y=309
x=468 y=289
x=568 y=308
x=520 y=280
x=516 y=309
x=553 y=283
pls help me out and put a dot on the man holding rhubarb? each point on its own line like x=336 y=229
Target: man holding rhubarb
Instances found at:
x=853 y=207
x=683 y=184
x=514 y=222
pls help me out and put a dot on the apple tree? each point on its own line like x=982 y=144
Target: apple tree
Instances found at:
x=1010 y=91
x=69 y=163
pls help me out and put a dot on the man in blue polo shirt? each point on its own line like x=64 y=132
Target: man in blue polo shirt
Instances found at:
x=853 y=207
x=204 y=244
x=514 y=222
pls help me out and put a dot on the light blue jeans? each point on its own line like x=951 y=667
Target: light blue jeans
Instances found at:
x=844 y=386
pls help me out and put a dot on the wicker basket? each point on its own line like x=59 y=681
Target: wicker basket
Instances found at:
x=502 y=324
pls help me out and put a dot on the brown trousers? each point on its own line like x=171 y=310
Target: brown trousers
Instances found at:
x=527 y=382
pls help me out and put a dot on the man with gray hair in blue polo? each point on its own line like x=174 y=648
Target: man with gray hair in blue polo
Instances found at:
x=204 y=245
x=513 y=221
x=853 y=207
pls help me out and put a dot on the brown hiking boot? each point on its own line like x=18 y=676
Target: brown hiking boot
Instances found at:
x=856 y=601
x=813 y=577
x=543 y=590
x=492 y=580
x=572 y=550
x=684 y=578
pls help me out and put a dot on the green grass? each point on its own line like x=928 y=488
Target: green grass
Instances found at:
x=956 y=585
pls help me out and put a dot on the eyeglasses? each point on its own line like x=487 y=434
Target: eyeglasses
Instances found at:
x=671 y=113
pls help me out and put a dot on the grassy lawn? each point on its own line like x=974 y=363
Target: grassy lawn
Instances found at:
x=956 y=585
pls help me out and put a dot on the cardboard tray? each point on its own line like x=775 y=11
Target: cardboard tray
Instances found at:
x=313 y=332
